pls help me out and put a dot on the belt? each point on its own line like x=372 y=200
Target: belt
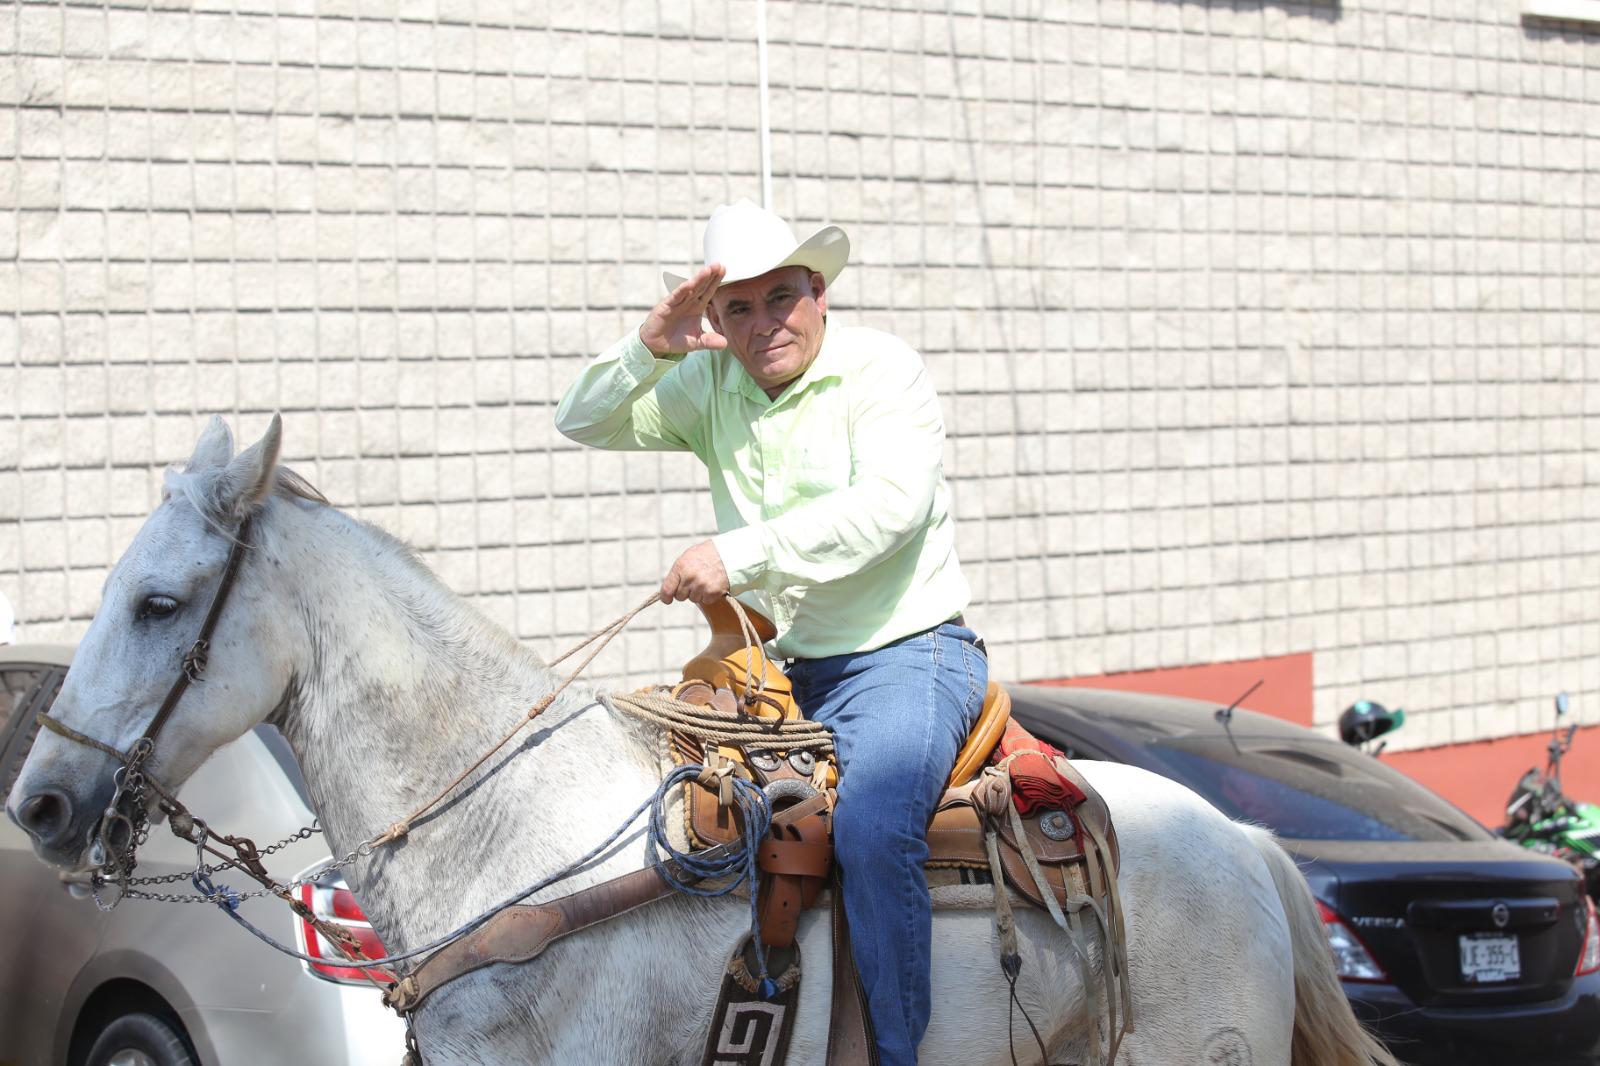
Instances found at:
x=959 y=620
x=977 y=642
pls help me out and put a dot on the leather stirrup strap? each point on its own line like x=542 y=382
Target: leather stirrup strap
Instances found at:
x=850 y=1038
x=1118 y=986
x=794 y=859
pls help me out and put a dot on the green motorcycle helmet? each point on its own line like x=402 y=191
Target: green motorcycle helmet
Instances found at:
x=1365 y=720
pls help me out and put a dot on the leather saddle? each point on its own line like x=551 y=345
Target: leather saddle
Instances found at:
x=796 y=859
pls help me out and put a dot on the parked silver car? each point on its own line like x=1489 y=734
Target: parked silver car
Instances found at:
x=175 y=984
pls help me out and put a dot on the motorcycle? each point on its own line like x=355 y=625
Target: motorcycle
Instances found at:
x=1542 y=817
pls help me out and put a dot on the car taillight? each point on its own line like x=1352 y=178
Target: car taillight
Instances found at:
x=331 y=900
x=1589 y=959
x=1351 y=958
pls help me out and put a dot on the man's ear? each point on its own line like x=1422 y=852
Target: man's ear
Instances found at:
x=715 y=319
x=819 y=291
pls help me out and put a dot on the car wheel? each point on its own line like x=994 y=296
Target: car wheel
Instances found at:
x=139 y=1040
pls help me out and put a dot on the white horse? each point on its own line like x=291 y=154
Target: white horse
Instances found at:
x=386 y=685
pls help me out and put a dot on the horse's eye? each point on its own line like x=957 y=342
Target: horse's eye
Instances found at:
x=157 y=607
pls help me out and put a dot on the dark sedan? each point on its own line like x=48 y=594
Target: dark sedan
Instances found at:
x=1455 y=946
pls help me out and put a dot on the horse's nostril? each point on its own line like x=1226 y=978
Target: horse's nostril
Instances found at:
x=46 y=816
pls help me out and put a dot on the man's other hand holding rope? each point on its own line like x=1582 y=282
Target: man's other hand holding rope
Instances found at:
x=698 y=575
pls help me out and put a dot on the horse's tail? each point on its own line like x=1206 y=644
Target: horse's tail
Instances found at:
x=1326 y=1031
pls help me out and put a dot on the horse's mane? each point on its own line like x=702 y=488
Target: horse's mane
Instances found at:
x=289 y=485
x=199 y=487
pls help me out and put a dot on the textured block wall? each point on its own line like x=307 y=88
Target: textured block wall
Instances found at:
x=1261 y=328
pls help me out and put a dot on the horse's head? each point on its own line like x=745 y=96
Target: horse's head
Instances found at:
x=152 y=609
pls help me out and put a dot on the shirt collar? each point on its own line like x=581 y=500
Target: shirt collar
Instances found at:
x=829 y=363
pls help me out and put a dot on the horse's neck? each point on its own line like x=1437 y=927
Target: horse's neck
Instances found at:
x=401 y=686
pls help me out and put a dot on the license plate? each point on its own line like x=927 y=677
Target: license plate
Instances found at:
x=1488 y=957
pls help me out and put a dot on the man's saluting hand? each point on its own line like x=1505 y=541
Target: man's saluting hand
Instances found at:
x=673 y=325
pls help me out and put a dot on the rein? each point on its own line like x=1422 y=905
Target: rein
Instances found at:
x=403 y=826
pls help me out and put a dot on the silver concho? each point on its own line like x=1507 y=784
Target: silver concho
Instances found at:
x=765 y=761
x=1057 y=825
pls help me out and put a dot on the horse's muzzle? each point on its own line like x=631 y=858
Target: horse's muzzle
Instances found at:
x=57 y=825
x=46 y=816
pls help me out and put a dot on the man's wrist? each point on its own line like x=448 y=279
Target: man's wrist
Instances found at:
x=644 y=356
x=743 y=556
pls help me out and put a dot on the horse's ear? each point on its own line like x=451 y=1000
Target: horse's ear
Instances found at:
x=248 y=479
x=214 y=448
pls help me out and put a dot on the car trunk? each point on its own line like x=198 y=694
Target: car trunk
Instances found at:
x=1449 y=936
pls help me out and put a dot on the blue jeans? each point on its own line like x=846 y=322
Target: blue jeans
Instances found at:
x=899 y=715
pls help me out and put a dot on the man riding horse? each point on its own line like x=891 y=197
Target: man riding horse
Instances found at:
x=824 y=446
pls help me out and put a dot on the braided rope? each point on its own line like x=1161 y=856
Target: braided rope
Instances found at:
x=604 y=636
x=727 y=868
x=722 y=727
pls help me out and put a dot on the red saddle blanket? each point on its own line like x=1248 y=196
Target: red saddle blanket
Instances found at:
x=1035 y=782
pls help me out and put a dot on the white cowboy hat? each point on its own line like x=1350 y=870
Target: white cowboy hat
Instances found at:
x=749 y=240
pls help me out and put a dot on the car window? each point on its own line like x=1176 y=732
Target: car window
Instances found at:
x=24 y=692
x=1073 y=748
x=14 y=684
x=1312 y=789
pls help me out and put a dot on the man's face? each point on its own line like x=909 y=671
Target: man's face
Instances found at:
x=773 y=323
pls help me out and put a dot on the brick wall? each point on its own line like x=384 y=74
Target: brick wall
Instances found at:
x=1262 y=329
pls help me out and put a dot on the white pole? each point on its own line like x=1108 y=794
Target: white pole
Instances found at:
x=766 y=131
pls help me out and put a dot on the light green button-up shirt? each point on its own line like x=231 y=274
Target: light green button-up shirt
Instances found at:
x=830 y=499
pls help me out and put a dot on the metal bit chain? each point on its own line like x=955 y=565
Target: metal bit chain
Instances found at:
x=130 y=885
x=112 y=864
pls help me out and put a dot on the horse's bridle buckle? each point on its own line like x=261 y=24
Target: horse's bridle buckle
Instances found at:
x=196 y=658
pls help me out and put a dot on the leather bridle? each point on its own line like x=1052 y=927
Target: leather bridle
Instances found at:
x=199 y=653
x=193 y=666
x=132 y=778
